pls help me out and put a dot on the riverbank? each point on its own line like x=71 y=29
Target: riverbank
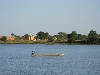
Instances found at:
x=40 y=42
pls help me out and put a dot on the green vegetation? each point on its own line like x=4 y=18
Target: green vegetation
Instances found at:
x=3 y=38
x=59 y=38
x=93 y=37
x=42 y=36
x=26 y=36
x=72 y=37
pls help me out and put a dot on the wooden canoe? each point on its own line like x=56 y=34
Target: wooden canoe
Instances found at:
x=48 y=54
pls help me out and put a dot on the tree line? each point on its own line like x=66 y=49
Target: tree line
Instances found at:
x=62 y=37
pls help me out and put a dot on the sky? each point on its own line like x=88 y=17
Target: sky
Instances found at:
x=32 y=16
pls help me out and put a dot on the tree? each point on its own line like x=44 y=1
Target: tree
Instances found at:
x=99 y=39
x=62 y=36
x=4 y=38
x=93 y=37
x=42 y=35
x=50 y=39
x=46 y=35
x=79 y=37
x=82 y=37
x=72 y=37
x=12 y=34
x=26 y=36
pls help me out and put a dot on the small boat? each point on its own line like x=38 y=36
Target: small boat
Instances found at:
x=57 y=54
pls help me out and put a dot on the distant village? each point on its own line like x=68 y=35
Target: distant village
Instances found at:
x=61 y=37
x=12 y=38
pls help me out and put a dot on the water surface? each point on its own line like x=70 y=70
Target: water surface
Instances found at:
x=15 y=59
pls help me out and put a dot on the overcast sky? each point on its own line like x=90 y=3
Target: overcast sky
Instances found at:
x=52 y=16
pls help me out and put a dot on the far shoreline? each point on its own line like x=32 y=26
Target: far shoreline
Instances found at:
x=47 y=43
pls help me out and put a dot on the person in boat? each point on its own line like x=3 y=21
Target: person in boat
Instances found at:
x=33 y=52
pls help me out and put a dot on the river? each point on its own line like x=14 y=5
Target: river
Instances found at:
x=16 y=59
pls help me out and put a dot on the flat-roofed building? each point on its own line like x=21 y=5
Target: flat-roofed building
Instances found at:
x=10 y=38
x=31 y=38
x=1 y=37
